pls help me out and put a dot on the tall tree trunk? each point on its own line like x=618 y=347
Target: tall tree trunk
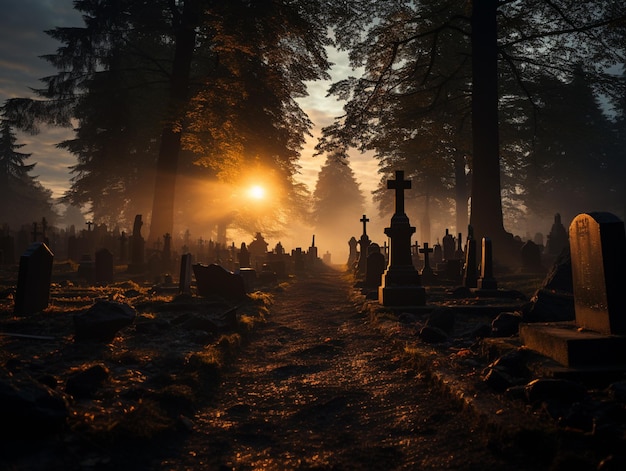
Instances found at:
x=162 y=221
x=486 y=209
x=460 y=192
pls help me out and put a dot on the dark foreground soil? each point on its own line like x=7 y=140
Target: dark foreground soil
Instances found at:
x=313 y=385
x=320 y=388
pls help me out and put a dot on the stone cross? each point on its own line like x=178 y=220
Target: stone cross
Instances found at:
x=401 y=285
x=364 y=220
x=426 y=250
x=399 y=184
x=89 y=224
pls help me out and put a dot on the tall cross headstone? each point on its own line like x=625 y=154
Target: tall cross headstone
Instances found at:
x=33 y=280
x=364 y=244
x=401 y=285
x=427 y=272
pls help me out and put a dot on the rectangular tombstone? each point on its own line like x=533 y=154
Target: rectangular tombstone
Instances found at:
x=184 y=280
x=33 y=281
x=104 y=266
x=598 y=251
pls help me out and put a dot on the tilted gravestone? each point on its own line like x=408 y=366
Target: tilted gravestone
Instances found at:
x=33 y=282
x=184 y=280
x=597 y=336
x=598 y=251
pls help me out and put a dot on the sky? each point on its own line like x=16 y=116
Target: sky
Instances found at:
x=22 y=41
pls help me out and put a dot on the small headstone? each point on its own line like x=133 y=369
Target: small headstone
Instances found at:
x=558 y=237
x=104 y=266
x=103 y=320
x=244 y=256
x=33 y=280
x=448 y=246
x=376 y=265
x=598 y=252
x=137 y=247
x=531 y=258
x=353 y=254
x=184 y=280
x=428 y=275
x=470 y=270
x=213 y=280
x=486 y=280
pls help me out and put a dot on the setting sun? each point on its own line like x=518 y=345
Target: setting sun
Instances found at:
x=256 y=192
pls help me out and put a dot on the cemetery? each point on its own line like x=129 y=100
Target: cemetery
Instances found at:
x=82 y=343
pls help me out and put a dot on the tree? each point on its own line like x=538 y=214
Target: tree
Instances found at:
x=439 y=53
x=24 y=199
x=176 y=81
x=338 y=203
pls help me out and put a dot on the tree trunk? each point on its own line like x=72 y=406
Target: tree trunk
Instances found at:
x=162 y=220
x=460 y=192
x=486 y=208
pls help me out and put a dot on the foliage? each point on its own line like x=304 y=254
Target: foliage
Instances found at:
x=24 y=199
x=417 y=95
x=147 y=79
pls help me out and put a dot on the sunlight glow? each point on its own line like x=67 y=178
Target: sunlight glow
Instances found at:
x=256 y=192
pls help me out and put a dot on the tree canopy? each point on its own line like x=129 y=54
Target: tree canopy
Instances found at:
x=463 y=64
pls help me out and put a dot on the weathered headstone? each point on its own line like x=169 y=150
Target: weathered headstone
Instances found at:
x=104 y=266
x=558 y=237
x=448 y=246
x=166 y=254
x=244 y=256
x=353 y=254
x=598 y=251
x=401 y=284
x=33 y=281
x=213 y=280
x=470 y=270
x=597 y=337
x=428 y=275
x=137 y=247
x=486 y=280
x=531 y=258
x=376 y=265
x=184 y=279
x=86 y=268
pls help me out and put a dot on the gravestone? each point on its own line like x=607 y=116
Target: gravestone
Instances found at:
x=437 y=254
x=376 y=265
x=596 y=339
x=401 y=285
x=166 y=254
x=104 y=266
x=213 y=280
x=243 y=256
x=598 y=251
x=531 y=258
x=558 y=237
x=312 y=251
x=123 y=248
x=470 y=270
x=33 y=280
x=86 y=268
x=137 y=247
x=353 y=254
x=448 y=246
x=184 y=279
x=486 y=280
x=364 y=243
x=428 y=275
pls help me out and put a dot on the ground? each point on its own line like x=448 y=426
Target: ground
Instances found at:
x=313 y=382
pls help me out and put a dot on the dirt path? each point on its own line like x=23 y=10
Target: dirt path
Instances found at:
x=319 y=388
